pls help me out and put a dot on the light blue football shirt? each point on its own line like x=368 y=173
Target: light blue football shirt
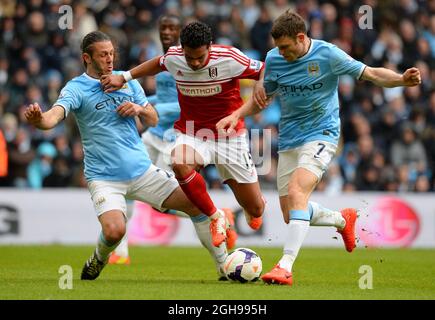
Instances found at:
x=167 y=106
x=308 y=92
x=112 y=147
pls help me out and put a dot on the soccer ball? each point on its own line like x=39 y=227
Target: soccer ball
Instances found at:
x=243 y=265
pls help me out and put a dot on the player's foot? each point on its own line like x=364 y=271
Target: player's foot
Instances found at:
x=218 y=229
x=348 y=232
x=115 y=259
x=231 y=232
x=278 y=276
x=221 y=275
x=253 y=222
x=92 y=268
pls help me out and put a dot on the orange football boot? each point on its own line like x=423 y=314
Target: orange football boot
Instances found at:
x=278 y=275
x=231 y=232
x=348 y=232
x=115 y=259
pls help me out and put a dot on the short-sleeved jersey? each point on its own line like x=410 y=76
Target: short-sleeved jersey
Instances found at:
x=308 y=91
x=213 y=92
x=166 y=93
x=112 y=147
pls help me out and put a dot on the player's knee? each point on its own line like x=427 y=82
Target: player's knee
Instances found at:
x=113 y=233
x=255 y=209
x=181 y=170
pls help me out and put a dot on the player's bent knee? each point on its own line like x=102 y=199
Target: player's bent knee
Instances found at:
x=256 y=210
x=181 y=170
x=113 y=233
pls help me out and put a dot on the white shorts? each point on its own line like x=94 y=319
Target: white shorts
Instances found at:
x=153 y=187
x=314 y=156
x=159 y=150
x=230 y=156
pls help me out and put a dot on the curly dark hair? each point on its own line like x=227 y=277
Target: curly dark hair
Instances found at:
x=195 y=35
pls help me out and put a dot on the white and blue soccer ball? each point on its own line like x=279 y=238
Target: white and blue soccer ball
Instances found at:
x=243 y=265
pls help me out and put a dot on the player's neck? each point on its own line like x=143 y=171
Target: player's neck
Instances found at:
x=307 y=46
x=93 y=74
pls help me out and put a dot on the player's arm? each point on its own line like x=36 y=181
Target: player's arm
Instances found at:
x=113 y=82
x=264 y=91
x=44 y=120
x=228 y=123
x=387 y=78
x=147 y=114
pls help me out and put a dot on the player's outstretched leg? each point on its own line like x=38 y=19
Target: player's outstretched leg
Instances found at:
x=344 y=221
x=202 y=223
x=120 y=254
x=185 y=163
x=249 y=196
x=113 y=230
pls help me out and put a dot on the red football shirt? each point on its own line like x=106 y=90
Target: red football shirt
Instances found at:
x=209 y=94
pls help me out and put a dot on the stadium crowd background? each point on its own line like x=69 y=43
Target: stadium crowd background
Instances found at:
x=388 y=135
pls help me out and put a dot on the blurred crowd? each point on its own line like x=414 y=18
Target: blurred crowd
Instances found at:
x=388 y=135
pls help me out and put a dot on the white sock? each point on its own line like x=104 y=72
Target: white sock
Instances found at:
x=322 y=216
x=122 y=248
x=104 y=248
x=297 y=230
x=202 y=228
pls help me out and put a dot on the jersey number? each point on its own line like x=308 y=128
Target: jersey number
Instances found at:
x=322 y=146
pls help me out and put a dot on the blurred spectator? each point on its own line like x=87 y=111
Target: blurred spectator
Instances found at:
x=260 y=33
x=21 y=155
x=408 y=149
x=334 y=179
x=61 y=175
x=3 y=157
x=42 y=165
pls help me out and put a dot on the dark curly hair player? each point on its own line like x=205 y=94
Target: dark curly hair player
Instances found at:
x=195 y=35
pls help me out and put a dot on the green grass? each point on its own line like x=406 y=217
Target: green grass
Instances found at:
x=174 y=273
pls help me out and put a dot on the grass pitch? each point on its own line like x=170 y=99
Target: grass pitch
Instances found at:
x=176 y=273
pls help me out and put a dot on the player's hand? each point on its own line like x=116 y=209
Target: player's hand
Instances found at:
x=33 y=114
x=259 y=95
x=129 y=109
x=226 y=125
x=411 y=77
x=112 y=82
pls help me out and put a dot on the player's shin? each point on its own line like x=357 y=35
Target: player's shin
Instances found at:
x=104 y=248
x=296 y=231
x=194 y=187
x=202 y=228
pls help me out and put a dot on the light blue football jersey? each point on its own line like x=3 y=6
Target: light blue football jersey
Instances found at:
x=112 y=147
x=167 y=106
x=308 y=92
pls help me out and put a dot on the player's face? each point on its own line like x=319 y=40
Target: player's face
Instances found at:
x=169 y=30
x=290 y=48
x=196 y=58
x=102 y=57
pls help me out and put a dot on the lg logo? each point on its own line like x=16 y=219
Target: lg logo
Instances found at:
x=8 y=220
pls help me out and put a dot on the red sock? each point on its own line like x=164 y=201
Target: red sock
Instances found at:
x=195 y=189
